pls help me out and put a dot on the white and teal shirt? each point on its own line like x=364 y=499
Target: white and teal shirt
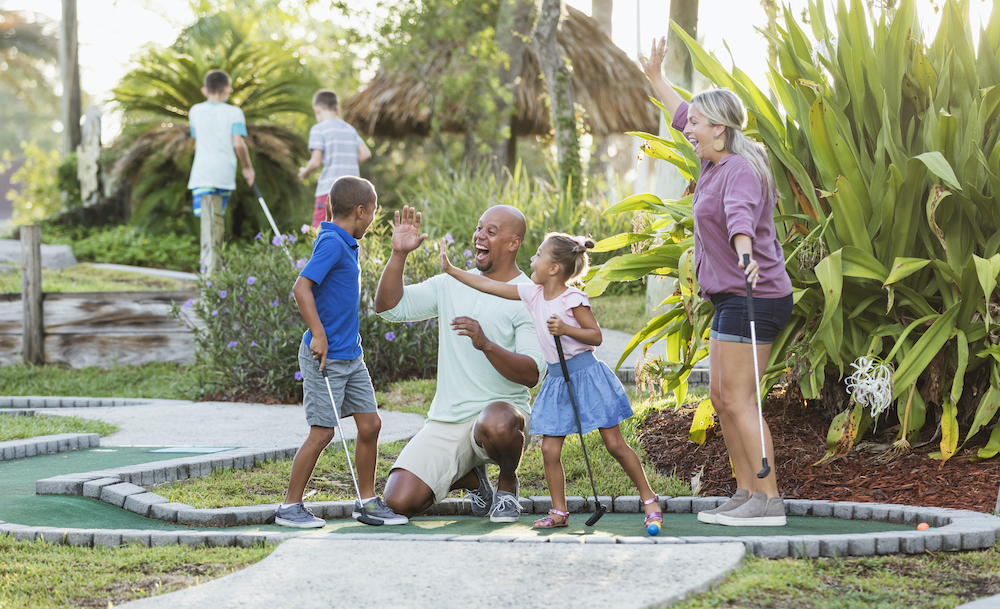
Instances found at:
x=213 y=126
x=466 y=381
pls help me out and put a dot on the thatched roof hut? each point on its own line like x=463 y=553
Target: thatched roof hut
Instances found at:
x=607 y=84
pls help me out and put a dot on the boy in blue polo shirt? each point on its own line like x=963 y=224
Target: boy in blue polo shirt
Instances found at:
x=328 y=293
x=218 y=129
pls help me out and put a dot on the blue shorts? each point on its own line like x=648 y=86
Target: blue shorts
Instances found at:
x=732 y=318
x=198 y=192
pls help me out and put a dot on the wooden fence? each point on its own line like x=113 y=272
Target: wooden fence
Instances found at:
x=100 y=328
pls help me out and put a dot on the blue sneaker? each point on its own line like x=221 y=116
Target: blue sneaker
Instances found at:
x=298 y=516
x=376 y=508
x=482 y=497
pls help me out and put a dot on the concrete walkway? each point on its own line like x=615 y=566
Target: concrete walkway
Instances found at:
x=323 y=570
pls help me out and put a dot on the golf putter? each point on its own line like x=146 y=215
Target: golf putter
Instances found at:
x=765 y=469
x=579 y=428
x=365 y=518
x=270 y=220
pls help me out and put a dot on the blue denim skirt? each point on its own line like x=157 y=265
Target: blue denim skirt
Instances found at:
x=732 y=318
x=599 y=397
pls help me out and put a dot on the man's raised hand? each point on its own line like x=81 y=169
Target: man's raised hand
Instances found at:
x=406 y=235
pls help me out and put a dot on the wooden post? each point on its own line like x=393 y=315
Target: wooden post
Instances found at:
x=32 y=338
x=213 y=230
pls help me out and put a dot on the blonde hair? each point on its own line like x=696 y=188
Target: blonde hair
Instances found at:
x=723 y=107
x=570 y=253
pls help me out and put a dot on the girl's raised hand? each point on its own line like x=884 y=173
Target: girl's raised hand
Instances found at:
x=446 y=265
x=653 y=65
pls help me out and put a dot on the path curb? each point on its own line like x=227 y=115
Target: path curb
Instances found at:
x=45 y=445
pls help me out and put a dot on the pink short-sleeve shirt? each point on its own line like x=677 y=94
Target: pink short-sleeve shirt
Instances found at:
x=532 y=295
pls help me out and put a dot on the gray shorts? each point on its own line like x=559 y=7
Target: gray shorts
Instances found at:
x=349 y=381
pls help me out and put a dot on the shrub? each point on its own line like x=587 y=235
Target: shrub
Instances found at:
x=129 y=245
x=397 y=351
x=248 y=328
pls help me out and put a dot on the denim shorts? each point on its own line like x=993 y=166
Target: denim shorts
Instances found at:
x=732 y=318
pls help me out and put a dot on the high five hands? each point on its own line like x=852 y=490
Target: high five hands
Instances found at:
x=406 y=235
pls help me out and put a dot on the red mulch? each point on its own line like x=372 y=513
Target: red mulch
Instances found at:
x=799 y=437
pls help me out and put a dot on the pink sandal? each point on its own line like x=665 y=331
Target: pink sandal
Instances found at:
x=549 y=523
x=656 y=517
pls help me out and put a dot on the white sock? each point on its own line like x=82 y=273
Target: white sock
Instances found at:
x=368 y=500
x=285 y=506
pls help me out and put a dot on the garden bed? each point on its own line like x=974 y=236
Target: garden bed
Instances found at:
x=868 y=474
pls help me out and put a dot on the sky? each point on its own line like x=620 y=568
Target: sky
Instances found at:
x=112 y=31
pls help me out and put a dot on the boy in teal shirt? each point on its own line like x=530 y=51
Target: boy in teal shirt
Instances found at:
x=218 y=129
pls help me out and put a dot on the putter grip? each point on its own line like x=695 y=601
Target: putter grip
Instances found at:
x=746 y=263
x=256 y=191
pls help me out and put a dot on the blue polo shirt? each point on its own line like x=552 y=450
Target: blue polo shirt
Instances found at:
x=335 y=270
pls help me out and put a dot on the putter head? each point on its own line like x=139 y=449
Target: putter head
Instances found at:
x=596 y=515
x=765 y=470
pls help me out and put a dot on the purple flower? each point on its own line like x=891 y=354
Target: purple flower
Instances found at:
x=291 y=238
x=298 y=375
x=203 y=269
x=448 y=238
x=258 y=236
x=409 y=323
x=187 y=305
x=305 y=228
x=301 y=263
x=208 y=284
x=467 y=253
x=254 y=344
x=274 y=304
x=389 y=336
x=222 y=294
x=275 y=338
x=278 y=240
x=232 y=344
x=251 y=279
x=468 y=263
x=241 y=299
x=215 y=312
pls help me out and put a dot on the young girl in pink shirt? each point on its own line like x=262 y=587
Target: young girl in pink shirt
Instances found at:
x=558 y=309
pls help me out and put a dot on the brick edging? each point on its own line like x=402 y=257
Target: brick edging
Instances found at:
x=44 y=445
x=41 y=401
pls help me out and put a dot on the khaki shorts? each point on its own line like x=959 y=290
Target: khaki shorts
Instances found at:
x=442 y=453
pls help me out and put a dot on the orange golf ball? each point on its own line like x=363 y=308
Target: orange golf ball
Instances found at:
x=923 y=526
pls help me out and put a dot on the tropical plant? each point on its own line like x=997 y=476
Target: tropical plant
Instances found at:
x=37 y=193
x=270 y=84
x=887 y=162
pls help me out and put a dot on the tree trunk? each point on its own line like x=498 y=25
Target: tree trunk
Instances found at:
x=771 y=10
x=69 y=70
x=557 y=82
x=680 y=71
x=600 y=11
x=513 y=28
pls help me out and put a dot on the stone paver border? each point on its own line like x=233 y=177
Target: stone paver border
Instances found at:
x=44 y=445
x=954 y=530
x=41 y=401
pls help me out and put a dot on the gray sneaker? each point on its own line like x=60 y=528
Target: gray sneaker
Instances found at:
x=758 y=511
x=376 y=508
x=482 y=497
x=708 y=516
x=506 y=507
x=298 y=516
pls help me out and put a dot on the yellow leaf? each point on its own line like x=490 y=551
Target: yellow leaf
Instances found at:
x=949 y=430
x=704 y=419
x=840 y=438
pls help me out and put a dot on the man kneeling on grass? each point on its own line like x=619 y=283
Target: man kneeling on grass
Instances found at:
x=486 y=363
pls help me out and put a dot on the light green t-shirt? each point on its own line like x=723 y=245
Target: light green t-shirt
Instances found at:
x=466 y=381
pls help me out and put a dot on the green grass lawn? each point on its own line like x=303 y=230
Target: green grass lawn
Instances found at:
x=939 y=581
x=39 y=575
x=89 y=278
x=13 y=427
x=332 y=481
x=156 y=380
x=622 y=312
